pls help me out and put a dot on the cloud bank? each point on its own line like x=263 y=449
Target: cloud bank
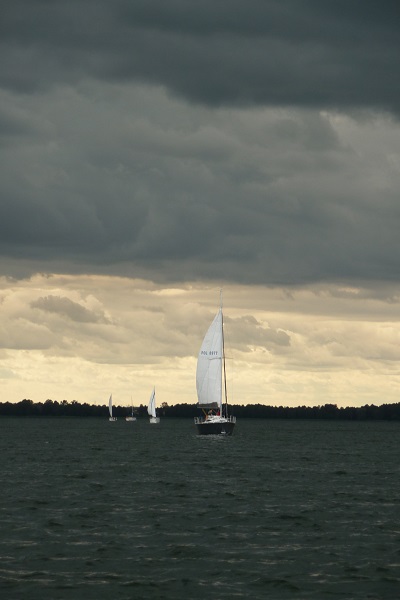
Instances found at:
x=177 y=141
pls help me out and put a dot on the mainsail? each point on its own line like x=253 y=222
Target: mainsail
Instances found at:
x=209 y=366
x=151 y=409
x=110 y=406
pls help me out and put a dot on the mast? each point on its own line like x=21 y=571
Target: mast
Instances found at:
x=223 y=357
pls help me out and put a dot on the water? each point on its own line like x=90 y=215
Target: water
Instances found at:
x=97 y=510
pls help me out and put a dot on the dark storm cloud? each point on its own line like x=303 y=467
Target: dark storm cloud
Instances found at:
x=148 y=139
x=218 y=52
x=128 y=181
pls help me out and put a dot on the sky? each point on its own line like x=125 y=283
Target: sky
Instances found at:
x=155 y=152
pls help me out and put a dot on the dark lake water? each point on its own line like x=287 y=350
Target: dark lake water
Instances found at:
x=300 y=509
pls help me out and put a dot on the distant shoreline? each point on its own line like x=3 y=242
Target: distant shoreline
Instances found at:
x=53 y=408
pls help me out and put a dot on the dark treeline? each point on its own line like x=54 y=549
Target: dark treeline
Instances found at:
x=52 y=408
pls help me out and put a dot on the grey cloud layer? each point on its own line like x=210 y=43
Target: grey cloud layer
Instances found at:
x=145 y=138
x=298 y=52
x=129 y=181
x=66 y=307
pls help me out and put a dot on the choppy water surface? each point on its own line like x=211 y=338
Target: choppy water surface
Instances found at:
x=301 y=509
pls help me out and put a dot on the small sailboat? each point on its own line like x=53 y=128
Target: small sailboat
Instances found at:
x=110 y=410
x=211 y=382
x=130 y=417
x=151 y=409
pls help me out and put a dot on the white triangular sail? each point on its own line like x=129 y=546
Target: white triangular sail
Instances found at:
x=110 y=406
x=209 y=366
x=151 y=409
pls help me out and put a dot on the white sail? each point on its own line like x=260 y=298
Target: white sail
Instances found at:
x=209 y=366
x=151 y=409
x=110 y=406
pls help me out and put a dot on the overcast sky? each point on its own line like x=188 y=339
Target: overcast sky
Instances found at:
x=152 y=152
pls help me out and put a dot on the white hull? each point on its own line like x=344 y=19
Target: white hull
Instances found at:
x=154 y=420
x=112 y=418
x=130 y=418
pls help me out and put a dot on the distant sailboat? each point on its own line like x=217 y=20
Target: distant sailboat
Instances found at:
x=110 y=410
x=130 y=417
x=211 y=381
x=151 y=409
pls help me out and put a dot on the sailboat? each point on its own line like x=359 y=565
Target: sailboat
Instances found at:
x=151 y=409
x=211 y=382
x=130 y=417
x=110 y=410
